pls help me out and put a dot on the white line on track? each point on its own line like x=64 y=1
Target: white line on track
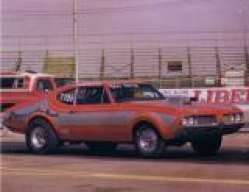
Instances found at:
x=118 y=176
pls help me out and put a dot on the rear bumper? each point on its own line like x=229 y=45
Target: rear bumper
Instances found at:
x=2 y=120
x=6 y=121
x=1 y=123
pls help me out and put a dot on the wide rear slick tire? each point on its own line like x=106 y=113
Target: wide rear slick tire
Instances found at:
x=41 y=138
x=207 y=144
x=148 y=142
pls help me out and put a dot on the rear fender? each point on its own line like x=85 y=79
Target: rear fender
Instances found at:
x=40 y=115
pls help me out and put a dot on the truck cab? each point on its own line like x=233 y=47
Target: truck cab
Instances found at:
x=18 y=87
x=27 y=81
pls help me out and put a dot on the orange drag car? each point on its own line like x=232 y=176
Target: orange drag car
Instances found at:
x=105 y=114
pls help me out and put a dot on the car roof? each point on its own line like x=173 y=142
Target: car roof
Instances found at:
x=99 y=83
x=108 y=82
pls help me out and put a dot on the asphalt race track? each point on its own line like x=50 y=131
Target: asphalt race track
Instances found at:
x=76 y=169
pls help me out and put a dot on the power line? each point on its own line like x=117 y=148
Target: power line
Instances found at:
x=102 y=10
x=92 y=10
x=186 y=32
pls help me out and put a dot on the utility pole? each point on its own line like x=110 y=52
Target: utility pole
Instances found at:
x=159 y=66
x=245 y=42
x=132 y=75
x=189 y=60
x=18 y=61
x=242 y=16
x=218 y=66
x=102 y=66
x=76 y=40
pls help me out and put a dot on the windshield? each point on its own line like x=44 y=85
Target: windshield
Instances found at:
x=135 y=92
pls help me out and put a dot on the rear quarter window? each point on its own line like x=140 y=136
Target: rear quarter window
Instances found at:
x=67 y=97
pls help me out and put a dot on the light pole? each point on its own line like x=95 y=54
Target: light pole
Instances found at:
x=75 y=40
x=241 y=12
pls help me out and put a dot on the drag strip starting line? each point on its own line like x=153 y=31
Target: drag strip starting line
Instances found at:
x=44 y=172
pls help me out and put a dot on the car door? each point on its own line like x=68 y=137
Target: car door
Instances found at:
x=92 y=116
x=100 y=119
x=62 y=105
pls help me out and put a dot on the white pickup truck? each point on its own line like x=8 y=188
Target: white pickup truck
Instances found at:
x=17 y=87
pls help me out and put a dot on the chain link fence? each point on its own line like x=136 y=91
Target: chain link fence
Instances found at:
x=165 y=66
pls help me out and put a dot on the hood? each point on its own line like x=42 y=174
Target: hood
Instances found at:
x=185 y=109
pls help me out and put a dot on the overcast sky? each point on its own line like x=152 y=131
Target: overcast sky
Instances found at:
x=112 y=18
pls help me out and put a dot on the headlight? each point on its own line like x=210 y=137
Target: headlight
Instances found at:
x=233 y=118
x=202 y=120
x=189 y=121
x=184 y=121
x=238 y=117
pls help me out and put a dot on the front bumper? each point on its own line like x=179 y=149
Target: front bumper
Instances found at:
x=188 y=133
x=228 y=129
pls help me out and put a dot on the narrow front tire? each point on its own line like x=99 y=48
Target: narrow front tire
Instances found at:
x=148 y=142
x=207 y=144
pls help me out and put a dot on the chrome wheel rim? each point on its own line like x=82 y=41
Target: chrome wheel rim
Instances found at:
x=38 y=137
x=148 y=140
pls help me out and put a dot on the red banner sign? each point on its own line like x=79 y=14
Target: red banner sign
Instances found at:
x=231 y=95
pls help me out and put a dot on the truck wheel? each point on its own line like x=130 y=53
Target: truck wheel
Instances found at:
x=101 y=146
x=148 y=142
x=41 y=138
x=207 y=144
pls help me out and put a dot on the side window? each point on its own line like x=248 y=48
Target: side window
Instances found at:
x=19 y=83
x=92 y=95
x=44 y=85
x=67 y=97
x=11 y=83
x=149 y=92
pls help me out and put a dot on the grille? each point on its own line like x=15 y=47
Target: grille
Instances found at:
x=206 y=120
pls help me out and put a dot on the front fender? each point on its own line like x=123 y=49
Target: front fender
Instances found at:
x=162 y=122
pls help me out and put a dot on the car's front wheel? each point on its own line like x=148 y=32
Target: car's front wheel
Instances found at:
x=40 y=137
x=207 y=144
x=148 y=142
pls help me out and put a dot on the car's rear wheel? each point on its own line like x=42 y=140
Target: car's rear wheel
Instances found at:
x=40 y=137
x=207 y=144
x=100 y=147
x=148 y=142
